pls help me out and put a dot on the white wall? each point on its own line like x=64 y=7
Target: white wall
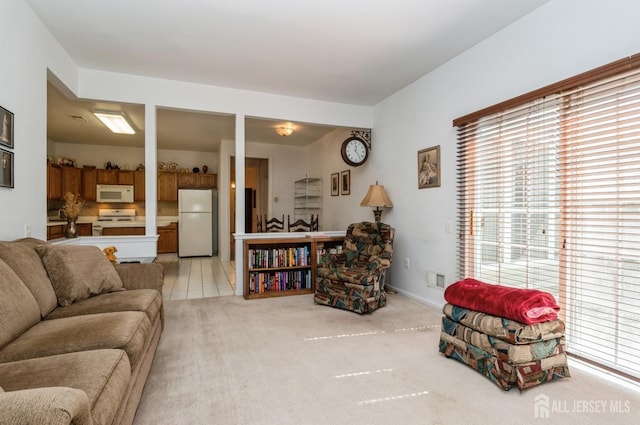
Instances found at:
x=559 y=40
x=23 y=91
x=286 y=164
x=323 y=160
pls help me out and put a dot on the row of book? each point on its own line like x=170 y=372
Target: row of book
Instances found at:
x=260 y=282
x=279 y=257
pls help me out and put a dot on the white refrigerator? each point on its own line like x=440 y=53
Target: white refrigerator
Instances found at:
x=197 y=222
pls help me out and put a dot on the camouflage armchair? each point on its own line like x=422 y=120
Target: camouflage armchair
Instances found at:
x=354 y=279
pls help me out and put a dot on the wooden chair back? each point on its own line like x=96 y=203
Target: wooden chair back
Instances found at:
x=273 y=224
x=302 y=226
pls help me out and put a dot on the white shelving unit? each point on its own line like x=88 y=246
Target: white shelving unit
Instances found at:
x=307 y=198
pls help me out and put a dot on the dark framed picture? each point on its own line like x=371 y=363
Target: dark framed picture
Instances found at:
x=335 y=184
x=429 y=167
x=345 y=182
x=6 y=177
x=6 y=128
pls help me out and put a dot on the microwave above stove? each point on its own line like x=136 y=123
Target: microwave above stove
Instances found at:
x=114 y=193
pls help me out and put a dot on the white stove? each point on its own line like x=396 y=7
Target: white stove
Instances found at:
x=110 y=215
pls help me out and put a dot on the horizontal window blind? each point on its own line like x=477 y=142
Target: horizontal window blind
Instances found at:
x=549 y=198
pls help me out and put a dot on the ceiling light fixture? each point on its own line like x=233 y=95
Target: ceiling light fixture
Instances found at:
x=284 y=131
x=115 y=121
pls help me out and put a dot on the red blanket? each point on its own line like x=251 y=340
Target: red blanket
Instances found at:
x=526 y=306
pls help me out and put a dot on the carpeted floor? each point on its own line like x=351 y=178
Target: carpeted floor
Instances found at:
x=287 y=361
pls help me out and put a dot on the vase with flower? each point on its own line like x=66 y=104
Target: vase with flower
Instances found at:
x=72 y=206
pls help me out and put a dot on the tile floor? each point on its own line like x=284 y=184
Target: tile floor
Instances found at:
x=197 y=277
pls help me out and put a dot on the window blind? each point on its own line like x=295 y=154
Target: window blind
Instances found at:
x=549 y=198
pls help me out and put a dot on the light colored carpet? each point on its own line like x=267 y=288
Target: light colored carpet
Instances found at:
x=288 y=361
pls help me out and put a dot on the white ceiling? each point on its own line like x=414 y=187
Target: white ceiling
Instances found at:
x=347 y=51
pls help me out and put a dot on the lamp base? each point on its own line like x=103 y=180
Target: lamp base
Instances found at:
x=377 y=213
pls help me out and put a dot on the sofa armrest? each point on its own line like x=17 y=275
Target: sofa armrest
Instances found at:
x=48 y=405
x=141 y=275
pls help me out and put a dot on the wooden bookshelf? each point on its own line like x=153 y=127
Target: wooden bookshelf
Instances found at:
x=278 y=267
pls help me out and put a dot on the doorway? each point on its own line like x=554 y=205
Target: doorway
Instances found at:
x=256 y=181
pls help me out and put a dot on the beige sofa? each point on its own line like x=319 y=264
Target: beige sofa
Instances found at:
x=77 y=334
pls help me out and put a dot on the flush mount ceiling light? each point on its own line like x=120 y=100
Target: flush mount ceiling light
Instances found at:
x=115 y=121
x=284 y=131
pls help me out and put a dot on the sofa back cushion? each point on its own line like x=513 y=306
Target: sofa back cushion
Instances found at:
x=18 y=308
x=21 y=256
x=78 y=272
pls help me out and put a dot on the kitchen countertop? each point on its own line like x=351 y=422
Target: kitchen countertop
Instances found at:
x=161 y=221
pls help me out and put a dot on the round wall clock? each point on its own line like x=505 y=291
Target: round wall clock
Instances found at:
x=354 y=151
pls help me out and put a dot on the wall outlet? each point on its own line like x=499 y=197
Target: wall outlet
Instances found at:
x=407 y=263
x=27 y=230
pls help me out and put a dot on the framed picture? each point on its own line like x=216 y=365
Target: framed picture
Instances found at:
x=429 y=167
x=6 y=163
x=345 y=182
x=6 y=128
x=335 y=184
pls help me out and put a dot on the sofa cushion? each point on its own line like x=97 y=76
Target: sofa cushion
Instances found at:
x=149 y=301
x=18 y=308
x=21 y=256
x=78 y=272
x=125 y=330
x=103 y=375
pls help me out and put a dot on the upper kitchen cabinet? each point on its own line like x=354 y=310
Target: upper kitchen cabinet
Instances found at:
x=71 y=180
x=107 y=176
x=54 y=181
x=61 y=180
x=196 y=181
x=89 y=182
x=139 y=186
x=167 y=187
x=125 y=177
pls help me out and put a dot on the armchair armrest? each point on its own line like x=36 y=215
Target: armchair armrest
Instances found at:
x=378 y=263
x=48 y=405
x=141 y=275
x=333 y=260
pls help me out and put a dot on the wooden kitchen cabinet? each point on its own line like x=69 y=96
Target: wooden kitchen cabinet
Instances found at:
x=122 y=231
x=84 y=229
x=207 y=181
x=55 y=232
x=89 y=182
x=125 y=177
x=167 y=187
x=107 y=176
x=168 y=239
x=139 y=186
x=196 y=181
x=187 y=180
x=54 y=181
x=71 y=180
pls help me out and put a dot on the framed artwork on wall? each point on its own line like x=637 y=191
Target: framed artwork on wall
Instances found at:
x=6 y=168
x=345 y=182
x=335 y=184
x=429 y=167
x=6 y=128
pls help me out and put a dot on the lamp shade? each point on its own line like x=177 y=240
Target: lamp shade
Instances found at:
x=376 y=197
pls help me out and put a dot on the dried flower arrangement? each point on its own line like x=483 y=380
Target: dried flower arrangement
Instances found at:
x=72 y=205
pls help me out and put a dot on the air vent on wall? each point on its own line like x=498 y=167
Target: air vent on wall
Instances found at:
x=78 y=118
